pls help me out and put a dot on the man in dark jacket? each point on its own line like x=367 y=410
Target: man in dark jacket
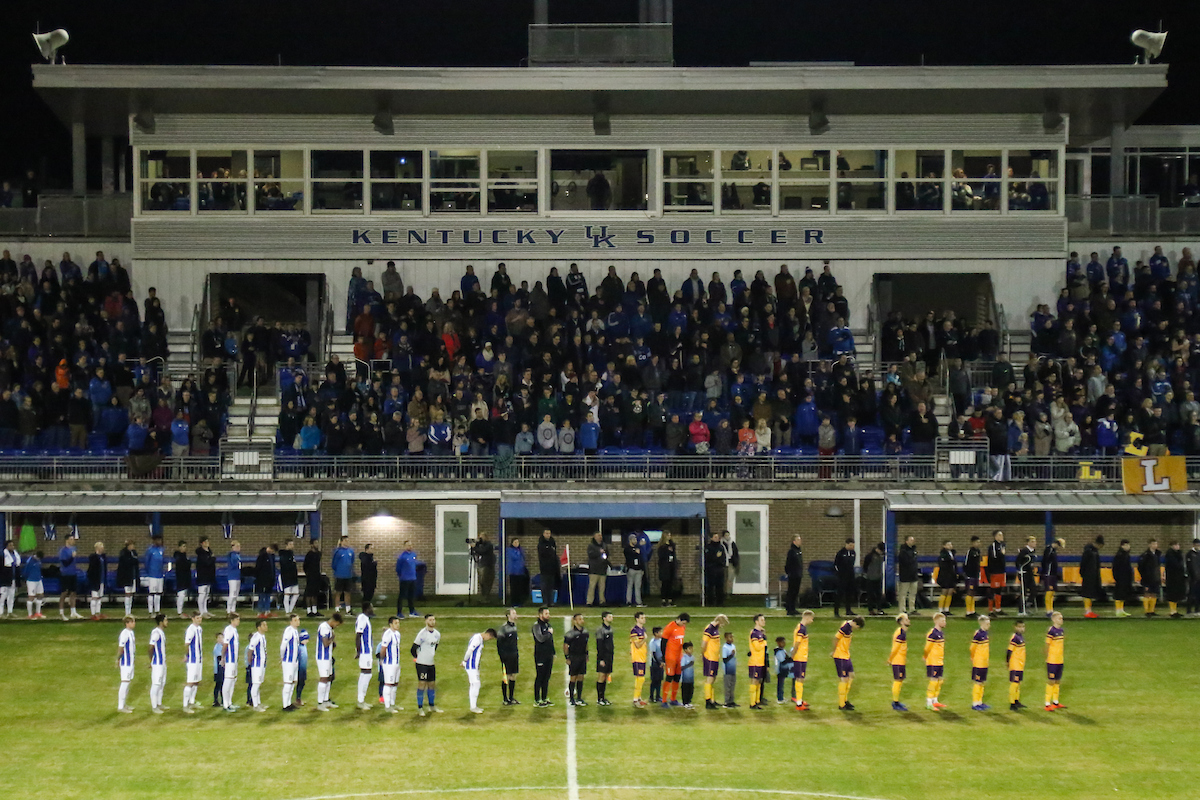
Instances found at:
x=1193 y=574
x=1050 y=572
x=97 y=576
x=510 y=657
x=1176 y=588
x=793 y=567
x=635 y=572
x=1122 y=570
x=548 y=567
x=873 y=565
x=1025 y=576
x=597 y=556
x=843 y=567
x=1089 y=576
x=127 y=574
x=368 y=572
x=543 y=656
x=714 y=569
x=206 y=576
x=668 y=568
x=997 y=573
x=972 y=568
x=908 y=575
x=1150 y=574
x=484 y=554
x=183 y=576
x=289 y=577
x=314 y=582
x=264 y=579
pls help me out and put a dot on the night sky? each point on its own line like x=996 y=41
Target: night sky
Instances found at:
x=493 y=33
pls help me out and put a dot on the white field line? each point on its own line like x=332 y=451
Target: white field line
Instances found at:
x=572 y=763
x=709 y=790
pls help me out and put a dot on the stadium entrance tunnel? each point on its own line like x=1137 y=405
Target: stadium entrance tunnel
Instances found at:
x=289 y=297
x=970 y=295
x=677 y=517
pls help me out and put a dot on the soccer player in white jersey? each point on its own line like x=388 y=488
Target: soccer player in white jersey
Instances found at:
x=256 y=659
x=423 y=650
x=158 y=663
x=325 y=645
x=389 y=661
x=193 y=659
x=289 y=659
x=471 y=665
x=231 y=662
x=364 y=649
x=125 y=652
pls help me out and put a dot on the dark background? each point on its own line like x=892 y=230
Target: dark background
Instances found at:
x=493 y=33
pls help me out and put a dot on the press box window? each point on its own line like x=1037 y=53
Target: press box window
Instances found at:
x=746 y=180
x=512 y=180
x=598 y=180
x=804 y=180
x=396 y=180
x=862 y=180
x=920 y=177
x=1031 y=183
x=454 y=180
x=337 y=180
x=165 y=177
x=975 y=180
x=278 y=180
x=688 y=180
x=222 y=177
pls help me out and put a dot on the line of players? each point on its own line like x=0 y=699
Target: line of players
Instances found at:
x=665 y=651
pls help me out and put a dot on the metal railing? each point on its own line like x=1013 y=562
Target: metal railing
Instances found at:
x=96 y=216
x=972 y=466
x=645 y=44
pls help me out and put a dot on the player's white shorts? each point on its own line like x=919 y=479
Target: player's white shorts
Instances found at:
x=154 y=585
x=131 y=589
x=97 y=593
x=158 y=674
x=291 y=672
x=324 y=669
x=195 y=673
x=126 y=674
x=364 y=661
x=33 y=588
x=291 y=590
x=391 y=674
x=258 y=674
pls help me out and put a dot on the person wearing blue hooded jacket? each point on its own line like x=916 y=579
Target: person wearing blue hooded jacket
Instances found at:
x=589 y=435
x=343 y=572
x=808 y=420
x=406 y=571
x=518 y=575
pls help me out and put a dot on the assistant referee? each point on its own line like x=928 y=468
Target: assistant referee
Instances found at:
x=506 y=648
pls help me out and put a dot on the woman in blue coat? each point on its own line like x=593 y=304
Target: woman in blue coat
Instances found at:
x=518 y=575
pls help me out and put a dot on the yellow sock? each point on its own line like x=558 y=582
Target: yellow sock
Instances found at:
x=896 y=687
x=843 y=693
x=1153 y=604
x=1087 y=605
x=708 y=691
x=1014 y=692
x=976 y=694
x=1050 y=601
x=931 y=691
x=940 y=683
x=970 y=600
x=799 y=692
x=1120 y=605
x=849 y=683
x=1146 y=604
x=1049 y=694
x=637 y=688
x=1173 y=606
x=1056 y=690
x=756 y=693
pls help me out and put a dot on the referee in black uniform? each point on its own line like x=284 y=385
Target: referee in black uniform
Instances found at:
x=543 y=657
x=313 y=583
x=575 y=651
x=506 y=648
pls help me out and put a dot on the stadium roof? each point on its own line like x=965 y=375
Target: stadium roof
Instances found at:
x=63 y=502
x=1063 y=500
x=1093 y=96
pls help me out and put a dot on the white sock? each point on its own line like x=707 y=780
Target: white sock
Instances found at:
x=180 y=599
x=202 y=599
x=187 y=695
x=128 y=604
x=256 y=694
x=473 y=693
x=364 y=683
x=122 y=694
x=37 y=605
x=150 y=604
x=29 y=607
x=322 y=692
x=155 y=695
x=227 y=690
x=288 y=688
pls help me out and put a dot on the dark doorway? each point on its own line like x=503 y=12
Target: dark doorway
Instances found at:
x=969 y=295
x=277 y=297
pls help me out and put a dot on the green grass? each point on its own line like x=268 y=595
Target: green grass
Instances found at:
x=1128 y=684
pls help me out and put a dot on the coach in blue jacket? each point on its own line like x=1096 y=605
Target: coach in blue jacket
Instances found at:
x=343 y=573
x=518 y=575
x=406 y=571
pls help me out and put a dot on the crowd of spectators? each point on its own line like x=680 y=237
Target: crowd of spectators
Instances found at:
x=724 y=367
x=82 y=365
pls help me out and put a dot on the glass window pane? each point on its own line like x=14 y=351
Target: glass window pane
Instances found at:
x=397 y=163
x=279 y=196
x=226 y=188
x=804 y=197
x=451 y=164
x=753 y=164
x=396 y=196
x=599 y=180
x=918 y=195
x=920 y=163
x=279 y=164
x=803 y=164
x=687 y=195
x=1033 y=163
x=454 y=200
x=166 y=196
x=159 y=193
x=748 y=525
x=862 y=195
x=976 y=184
x=687 y=164
x=747 y=195
x=519 y=165
x=337 y=164
x=337 y=195
x=862 y=164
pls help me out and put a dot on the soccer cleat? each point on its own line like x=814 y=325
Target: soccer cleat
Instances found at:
x=75 y=614
x=675 y=704
x=939 y=706
x=435 y=710
x=393 y=710
x=292 y=707
x=331 y=704
x=231 y=709
x=581 y=702
x=260 y=709
x=848 y=707
x=421 y=712
x=514 y=702
x=688 y=705
x=1059 y=707
x=981 y=707
x=189 y=710
x=899 y=706
x=803 y=706
x=1018 y=706
x=1091 y=615
x=156 y=711
x=1050 y=706
x=757 y=707
x=126 y=710
x=604 y=702
x=476 y=710
x=365 y=706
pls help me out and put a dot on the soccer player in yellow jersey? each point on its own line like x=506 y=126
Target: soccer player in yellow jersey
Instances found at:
x=637 y=655
x=711 y=656
x=1054 y=661
x=981 y=646
x=841 y=660
x=1015 y=656
x=935 y=662
x=898 y=659
x=799 y=654
x=758 y=660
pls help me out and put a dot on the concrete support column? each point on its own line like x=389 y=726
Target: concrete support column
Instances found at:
x=122 y=156
x=107 y=168
x=78 y=147
x=541 y=12
x=1116 y=164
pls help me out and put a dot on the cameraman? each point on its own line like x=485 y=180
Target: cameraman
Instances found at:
x=484 y=554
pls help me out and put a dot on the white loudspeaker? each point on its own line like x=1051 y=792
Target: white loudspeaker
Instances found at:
x=48 y=43
x=1151 y=43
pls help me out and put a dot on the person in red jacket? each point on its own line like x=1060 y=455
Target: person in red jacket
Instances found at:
x=699 y=433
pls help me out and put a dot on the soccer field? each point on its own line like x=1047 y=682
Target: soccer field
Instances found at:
x=1129 y=726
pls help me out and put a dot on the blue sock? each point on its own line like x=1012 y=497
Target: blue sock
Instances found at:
x=420 y=698
x=430 y=697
